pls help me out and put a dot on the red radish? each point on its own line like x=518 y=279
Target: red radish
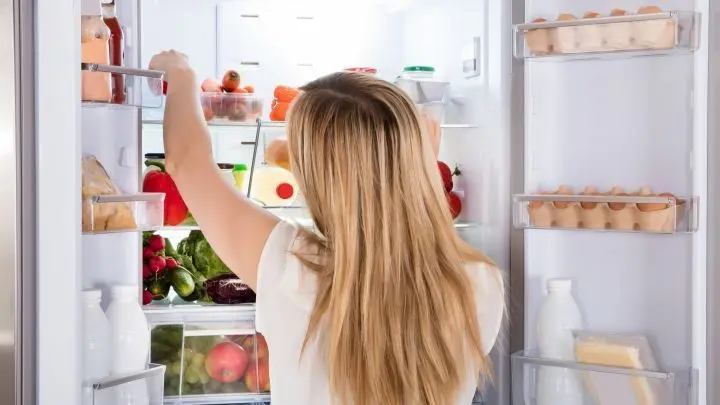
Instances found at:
x=171 y=263
x=156 y=243
x=146 y=271
x=156 y=264
x=231 y=80
x=446 y=175
x=211 y=86
x=147 y=297
x=148 y=253
x=455 y=204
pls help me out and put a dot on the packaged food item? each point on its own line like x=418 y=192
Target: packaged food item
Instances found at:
x=273 y=186
x=95 y=48
x=238 y=173
x=117 y=51
x=368 y=70
x=105 y=216
x=418 y=72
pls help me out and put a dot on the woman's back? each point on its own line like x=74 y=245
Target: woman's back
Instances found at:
x=286 y=293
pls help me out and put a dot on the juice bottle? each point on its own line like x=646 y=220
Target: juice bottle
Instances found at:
x=117 y=51
x=95 y=48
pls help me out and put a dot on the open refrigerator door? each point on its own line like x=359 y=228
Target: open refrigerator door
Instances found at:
x=612 y=199
x=124 y=244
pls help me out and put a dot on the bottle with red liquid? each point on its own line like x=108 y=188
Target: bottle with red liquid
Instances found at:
x=117 y=51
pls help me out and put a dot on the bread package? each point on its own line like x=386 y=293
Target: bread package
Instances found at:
x=105 y=216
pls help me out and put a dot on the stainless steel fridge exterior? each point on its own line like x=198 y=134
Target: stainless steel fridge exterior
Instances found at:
x=17 y=224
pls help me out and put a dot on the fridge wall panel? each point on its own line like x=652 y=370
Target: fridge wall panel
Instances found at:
x=59 y=260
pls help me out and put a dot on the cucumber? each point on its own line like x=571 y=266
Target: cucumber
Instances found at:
x=182 y=282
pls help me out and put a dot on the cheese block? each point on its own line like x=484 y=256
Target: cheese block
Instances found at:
x=613 y=389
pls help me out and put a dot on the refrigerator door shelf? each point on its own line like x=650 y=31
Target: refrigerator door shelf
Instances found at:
x=647 y=214
x=604 y=384
x=149 y=83
x=147 y=383
x=663 y=33
x=123 y=213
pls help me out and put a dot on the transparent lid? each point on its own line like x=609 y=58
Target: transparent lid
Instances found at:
x=240 y=167
x=91 y=8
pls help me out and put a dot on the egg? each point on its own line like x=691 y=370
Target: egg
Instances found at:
x=615 y=206
x=590 y=190
x=649 y=10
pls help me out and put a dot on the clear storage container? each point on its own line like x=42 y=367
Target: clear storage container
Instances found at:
x=238 y=107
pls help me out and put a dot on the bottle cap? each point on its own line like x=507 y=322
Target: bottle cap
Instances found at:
x=91 y=295
x=559 y=284
x=91 y=7
x=124 y=291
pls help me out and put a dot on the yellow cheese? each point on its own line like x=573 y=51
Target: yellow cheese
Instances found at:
x=608 y=388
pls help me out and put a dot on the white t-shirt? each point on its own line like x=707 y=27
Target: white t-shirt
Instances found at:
x=285 y=297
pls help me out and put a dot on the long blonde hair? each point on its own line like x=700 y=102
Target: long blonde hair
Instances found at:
x=395 y=306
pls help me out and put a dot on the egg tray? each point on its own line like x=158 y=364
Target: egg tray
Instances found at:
x=630 y=218
x=645 y=32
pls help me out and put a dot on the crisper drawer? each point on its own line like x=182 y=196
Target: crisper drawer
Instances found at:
x=213 y=354
x=539 y=381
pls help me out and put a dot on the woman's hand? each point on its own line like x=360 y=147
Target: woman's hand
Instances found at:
x=169 y=62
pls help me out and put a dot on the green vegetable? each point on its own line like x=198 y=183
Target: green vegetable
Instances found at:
x=182 y=247
x=207 y=262
x=182 y=282
x=159 y=287
x=170 y=250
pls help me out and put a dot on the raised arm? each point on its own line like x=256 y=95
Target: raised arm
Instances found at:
x=235 y=227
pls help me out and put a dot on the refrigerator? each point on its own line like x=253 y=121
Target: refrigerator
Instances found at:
x=519 y=118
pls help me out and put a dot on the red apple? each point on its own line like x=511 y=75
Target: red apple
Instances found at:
x=258 y=379
x=256 y=346
x=455 y=204
x=226 y=362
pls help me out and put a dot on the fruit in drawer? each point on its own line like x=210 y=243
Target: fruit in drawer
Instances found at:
x=231 y=80
x=285 y=94
x=226 y=362
x=211 y=86
x=258 y=379
x=256 y=346
x=158 y=181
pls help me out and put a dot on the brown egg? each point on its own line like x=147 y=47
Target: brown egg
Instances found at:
x=678 y=201
x=615 y=206
x=562 y=190
x=649 y=207
x=589 y=190
x=535 y=203
x=616 y=12
x=539 y=20
x=649 y=10
x=566 y=17
x=591 y=14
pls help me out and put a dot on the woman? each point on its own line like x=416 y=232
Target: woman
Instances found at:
x=383 y=303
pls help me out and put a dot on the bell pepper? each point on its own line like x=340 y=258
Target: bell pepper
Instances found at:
x=159 y=181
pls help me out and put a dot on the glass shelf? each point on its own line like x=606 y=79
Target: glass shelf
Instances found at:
x=147 y=384
x=650 y=214
x=674 y=387
x=133 y=79
x=219 y=399
x=663 y=33
x=279 y=124
x=122 y=213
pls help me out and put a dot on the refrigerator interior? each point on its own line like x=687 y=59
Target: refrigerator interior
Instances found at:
x=282 y=42
x=619 y=120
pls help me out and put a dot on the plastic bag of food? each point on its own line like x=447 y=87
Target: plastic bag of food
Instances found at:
x=105 y=216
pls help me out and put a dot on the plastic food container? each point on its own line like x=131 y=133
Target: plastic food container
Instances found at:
x=418 y=72
x=238 y=173
x=240 y=107
x=369 y=70
x=227 y=171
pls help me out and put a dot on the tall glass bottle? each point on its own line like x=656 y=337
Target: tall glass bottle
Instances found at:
x=117 y=49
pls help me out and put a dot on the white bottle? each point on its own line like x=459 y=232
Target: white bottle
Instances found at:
x=129 y=331
x=96 y=343
x=558 y=317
